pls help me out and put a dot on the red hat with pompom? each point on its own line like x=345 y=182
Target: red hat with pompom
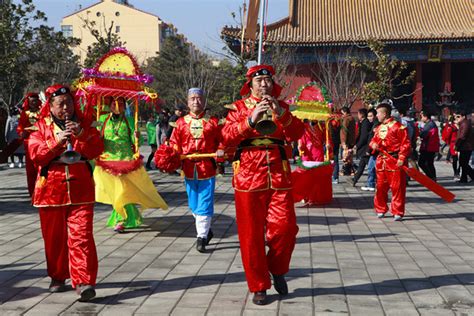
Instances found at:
x=260 y=70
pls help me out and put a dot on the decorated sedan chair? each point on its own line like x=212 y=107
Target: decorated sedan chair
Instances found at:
x=112 y=92
x=312 y=176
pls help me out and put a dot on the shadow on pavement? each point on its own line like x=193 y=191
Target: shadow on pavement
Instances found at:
x=433 y=198
x=183 y=226
x=468 y=216
x=23 y=207
x=344 y=202
x=147 y=287
x=341 y=238
x=11 y=276
x=324 y=220
x=389 y=287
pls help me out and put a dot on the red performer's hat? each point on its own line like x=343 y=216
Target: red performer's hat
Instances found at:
x=260 y=70
x=54 y=91
x=26 y=103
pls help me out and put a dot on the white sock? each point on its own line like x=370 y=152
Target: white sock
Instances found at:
x=203 y=224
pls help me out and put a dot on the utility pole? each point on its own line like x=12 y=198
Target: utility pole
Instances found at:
x=263 y=5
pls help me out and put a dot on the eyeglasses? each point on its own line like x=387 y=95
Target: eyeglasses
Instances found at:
x=457 y=116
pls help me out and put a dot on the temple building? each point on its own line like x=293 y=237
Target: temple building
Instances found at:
x=434 y=37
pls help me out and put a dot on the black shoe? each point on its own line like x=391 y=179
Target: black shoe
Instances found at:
x=351 y=181
x=57 y=286
x=201 y=244
x=210 y=234
x=279 y=283
x=86 y=291
x=260 y=298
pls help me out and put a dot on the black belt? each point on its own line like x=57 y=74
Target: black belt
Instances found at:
x=45 y=169
x=394 y=154
x=263 y=143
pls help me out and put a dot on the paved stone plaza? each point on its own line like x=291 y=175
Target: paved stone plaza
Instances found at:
x=346 y=261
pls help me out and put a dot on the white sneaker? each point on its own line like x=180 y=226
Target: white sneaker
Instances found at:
x=380 y=215
x=368 y=189
x=335 y=181
x=397 y=218
x=20 y=165
x=11 y=165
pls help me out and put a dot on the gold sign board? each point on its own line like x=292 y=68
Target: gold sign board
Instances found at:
x=434 y=52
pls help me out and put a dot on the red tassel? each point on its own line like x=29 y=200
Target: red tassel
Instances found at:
x=167 y=159
x=118 y=168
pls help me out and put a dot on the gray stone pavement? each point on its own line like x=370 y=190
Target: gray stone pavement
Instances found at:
x=346 y=261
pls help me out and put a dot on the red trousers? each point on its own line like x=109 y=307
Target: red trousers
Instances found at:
x=265 y=216
x=395 y=181
x=31 y=174
x=69 y=243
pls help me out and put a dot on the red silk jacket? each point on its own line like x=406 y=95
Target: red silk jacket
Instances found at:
x=392 y=137
x=450 y=133
x=63 y=184
x=260 y=166
x=197 y=135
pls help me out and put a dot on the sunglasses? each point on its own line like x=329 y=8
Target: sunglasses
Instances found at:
x=457 y=116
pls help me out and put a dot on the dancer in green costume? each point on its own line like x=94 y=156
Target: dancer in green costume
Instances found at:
x=120 y=177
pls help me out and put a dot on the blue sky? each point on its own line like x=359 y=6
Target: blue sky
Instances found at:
x=199 y=20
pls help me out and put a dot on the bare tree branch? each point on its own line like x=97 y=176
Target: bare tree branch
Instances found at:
x=337 y=74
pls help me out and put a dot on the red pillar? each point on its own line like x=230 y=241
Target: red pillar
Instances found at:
x=418 y=97
x=446 y=84
x=447 y=76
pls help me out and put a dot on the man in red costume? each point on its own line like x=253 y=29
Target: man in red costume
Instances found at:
x=196 y=134
x=28 y=117
x=262 y=182
x=64 y=192
x=392 y=137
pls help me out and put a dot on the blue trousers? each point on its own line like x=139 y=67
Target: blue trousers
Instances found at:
x=335 y=172
x=201 y=195
x=371 y=172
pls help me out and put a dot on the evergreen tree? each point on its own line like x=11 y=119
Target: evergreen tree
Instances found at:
x=30 y=57
x=50 y=63
x=384 y=73
x=168 y=68
x=16 y=35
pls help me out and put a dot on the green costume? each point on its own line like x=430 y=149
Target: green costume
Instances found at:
x=151 y=132
x=119 y=145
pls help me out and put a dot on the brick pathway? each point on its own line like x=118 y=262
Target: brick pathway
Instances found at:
x=346 y=261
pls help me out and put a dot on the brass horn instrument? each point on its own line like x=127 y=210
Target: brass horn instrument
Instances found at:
x=266 y=125
x=69 y=156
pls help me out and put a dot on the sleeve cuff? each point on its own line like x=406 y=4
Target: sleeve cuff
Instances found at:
x=285 y=118
x=244 y=127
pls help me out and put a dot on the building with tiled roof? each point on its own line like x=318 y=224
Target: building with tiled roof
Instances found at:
x=434 y=36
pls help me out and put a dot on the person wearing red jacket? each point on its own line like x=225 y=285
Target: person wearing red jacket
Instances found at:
x=64 y=192
x=262 y=181
x=429 y=146
x=198 y=133
x=449 y=135
x=392 y=138
x=28 y=117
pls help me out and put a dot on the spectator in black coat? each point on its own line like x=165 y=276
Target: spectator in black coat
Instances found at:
x=362 y=144
x=464 y=144
x=179 y=111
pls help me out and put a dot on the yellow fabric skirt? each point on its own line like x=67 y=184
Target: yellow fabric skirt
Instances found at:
x=135 y=187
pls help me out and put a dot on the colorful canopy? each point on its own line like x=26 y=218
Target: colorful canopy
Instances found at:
x=116 y=74
x=312 y=103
